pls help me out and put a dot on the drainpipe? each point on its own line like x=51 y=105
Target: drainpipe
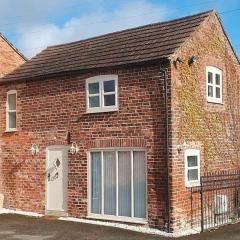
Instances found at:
x=164 y=72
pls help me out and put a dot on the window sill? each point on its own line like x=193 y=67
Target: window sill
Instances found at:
x=214 y=101
x=103 y=110
x=11 y=131
x=193 y=184
x=117 y=219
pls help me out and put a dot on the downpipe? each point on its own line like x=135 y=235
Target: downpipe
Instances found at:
x=164 y=73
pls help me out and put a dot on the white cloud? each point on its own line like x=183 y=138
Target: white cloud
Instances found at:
x=130 y=14
x=15 y=11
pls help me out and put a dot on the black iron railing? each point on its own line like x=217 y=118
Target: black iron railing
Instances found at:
x=217 y=201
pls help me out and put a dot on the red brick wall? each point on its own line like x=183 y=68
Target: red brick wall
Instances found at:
x=49 y=108
x=9 y=58
x=211 y=46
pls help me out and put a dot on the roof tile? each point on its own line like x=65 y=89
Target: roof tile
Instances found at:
x=150 y=42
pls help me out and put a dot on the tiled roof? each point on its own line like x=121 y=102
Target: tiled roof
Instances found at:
x=150 y=42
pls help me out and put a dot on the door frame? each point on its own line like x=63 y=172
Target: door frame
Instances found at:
x=49 y=148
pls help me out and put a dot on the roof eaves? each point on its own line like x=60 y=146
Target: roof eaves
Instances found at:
x=48 y=74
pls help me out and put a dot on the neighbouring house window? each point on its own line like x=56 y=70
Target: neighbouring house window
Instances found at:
x=118 y=184
x=214 y=84
x=11 y=111
x=192 y=167
x=101 y=92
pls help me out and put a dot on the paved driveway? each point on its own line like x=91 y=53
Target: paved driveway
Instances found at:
x=26 y=228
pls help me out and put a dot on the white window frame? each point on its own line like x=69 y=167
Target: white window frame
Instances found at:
x=101 y=79
x=8 y=111
x=192 y=152
x=214 y=71
x=116 y=217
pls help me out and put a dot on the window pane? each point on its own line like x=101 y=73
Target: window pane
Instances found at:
x=218 y=94
x=12 y=101
x=109 y=183
x=217 y=79
x=210 y=91
x=192 y=174
x=12 y=120
x=109 y=86
x=96 y=182
x=139 y=182
x=124 y=184
x=94 y=102
x=192 y=161
x=109 y=100
x=210 y=77
x=93 y=88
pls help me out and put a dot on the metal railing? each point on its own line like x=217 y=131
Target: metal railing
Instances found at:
x=217 y=201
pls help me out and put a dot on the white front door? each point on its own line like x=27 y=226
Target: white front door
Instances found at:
x=57 y=178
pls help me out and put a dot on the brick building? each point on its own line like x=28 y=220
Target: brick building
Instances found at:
x=10 y=57
x=86 y=129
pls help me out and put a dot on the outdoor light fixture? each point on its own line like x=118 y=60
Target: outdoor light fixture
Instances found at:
x=193 y=59
x=74 y=148
x=179 y=60
x=181 y=147
x=34 y=149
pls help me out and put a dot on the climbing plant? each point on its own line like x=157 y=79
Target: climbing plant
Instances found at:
x=218 y=130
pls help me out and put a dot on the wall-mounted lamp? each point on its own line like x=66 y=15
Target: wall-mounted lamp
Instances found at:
x=193 y=60
x=74 y=148
x=68 y=137
x=34 y=149
x=179 y=60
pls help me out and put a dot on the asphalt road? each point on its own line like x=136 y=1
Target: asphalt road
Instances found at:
x=27 y=228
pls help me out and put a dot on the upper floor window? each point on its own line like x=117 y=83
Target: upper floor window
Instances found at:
x=192 y=167
x=101 y=93
x=11 y=111
x=214 y=84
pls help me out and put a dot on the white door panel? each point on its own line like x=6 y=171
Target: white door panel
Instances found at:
x=57 y=169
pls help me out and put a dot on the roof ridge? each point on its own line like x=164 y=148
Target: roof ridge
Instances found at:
x=134 y=28
x=12 y=46
x=155 y=45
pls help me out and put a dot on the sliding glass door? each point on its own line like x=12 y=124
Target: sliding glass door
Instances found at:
x=118 y=183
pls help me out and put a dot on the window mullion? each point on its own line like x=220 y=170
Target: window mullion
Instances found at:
x=93 y=94
x=214 y=86
x=108 y=93
x=221 y=89
x=116 y=183
x=102 y=182
x=101 y=94
x=88 y=95
x=192 y=168
x=132 y=187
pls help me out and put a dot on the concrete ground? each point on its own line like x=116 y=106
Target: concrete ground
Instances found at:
x=27 y=228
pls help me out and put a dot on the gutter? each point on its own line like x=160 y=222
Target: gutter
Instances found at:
x=164 y=72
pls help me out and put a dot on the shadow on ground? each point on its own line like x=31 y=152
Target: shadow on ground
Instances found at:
x=27 y=228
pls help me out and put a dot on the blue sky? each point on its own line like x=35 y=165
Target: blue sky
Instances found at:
x=32 y=25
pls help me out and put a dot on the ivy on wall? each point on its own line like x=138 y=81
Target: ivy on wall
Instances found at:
x=217 y=130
